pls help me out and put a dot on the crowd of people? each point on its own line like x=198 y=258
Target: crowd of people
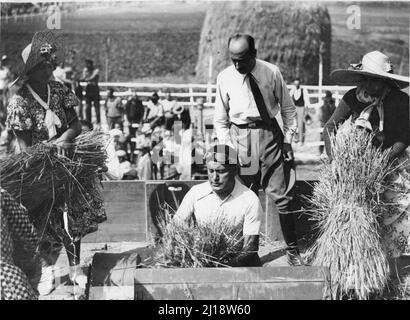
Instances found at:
x=249 y=152
x=141 y=132
x=141 y=128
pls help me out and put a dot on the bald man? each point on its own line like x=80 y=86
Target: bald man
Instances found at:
x=250 y=94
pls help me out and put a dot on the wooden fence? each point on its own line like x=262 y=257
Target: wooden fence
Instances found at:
x=193 y=95
x=188 y=94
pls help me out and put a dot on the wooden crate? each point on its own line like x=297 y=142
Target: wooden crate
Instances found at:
x=116 y=277
x=262 y=283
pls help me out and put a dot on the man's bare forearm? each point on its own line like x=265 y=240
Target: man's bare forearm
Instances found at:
x=249 y=253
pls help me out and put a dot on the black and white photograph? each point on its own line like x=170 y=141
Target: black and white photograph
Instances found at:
x=221 y=151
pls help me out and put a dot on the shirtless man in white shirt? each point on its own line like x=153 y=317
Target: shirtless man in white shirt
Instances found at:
x=223 y=194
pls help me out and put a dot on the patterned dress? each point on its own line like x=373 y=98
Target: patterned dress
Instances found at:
x=24 y=113
x=15 y=227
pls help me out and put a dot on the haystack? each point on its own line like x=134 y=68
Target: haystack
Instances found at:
x=287 y=34
x=348 y=206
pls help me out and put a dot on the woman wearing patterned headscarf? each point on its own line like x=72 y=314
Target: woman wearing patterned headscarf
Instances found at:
x=42 y=110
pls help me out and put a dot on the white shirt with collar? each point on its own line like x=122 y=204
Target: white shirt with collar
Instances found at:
x=235 y=102
x=242 y=206
x=154 y=110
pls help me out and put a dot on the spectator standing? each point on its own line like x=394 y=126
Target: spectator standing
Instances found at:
x=114 y=110
x=168 y=151
x=134 y=112
x=326 y=111
x=169 y=106
x=183 y=115
x=92 y=91
x=144 y=165
x=155 y=112
x=299 y=97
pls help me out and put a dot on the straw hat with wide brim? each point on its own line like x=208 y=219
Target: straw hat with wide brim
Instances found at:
x=374 y=64
x=45 y=46
x=177 y=109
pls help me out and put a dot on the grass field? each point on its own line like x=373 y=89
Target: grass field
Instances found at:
x=145 y=42
x=384 y=27
x=159 y=41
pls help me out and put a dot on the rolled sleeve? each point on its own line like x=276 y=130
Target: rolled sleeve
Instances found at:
x=221 y=117
x=253 y=219
x=186 y=208
x=287 y=107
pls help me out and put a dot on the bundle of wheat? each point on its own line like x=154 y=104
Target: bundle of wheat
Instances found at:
x=210 y=243
x=40 y=178
x=348 y=205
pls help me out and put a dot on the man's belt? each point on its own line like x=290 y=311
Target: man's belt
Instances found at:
x=258 y=124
